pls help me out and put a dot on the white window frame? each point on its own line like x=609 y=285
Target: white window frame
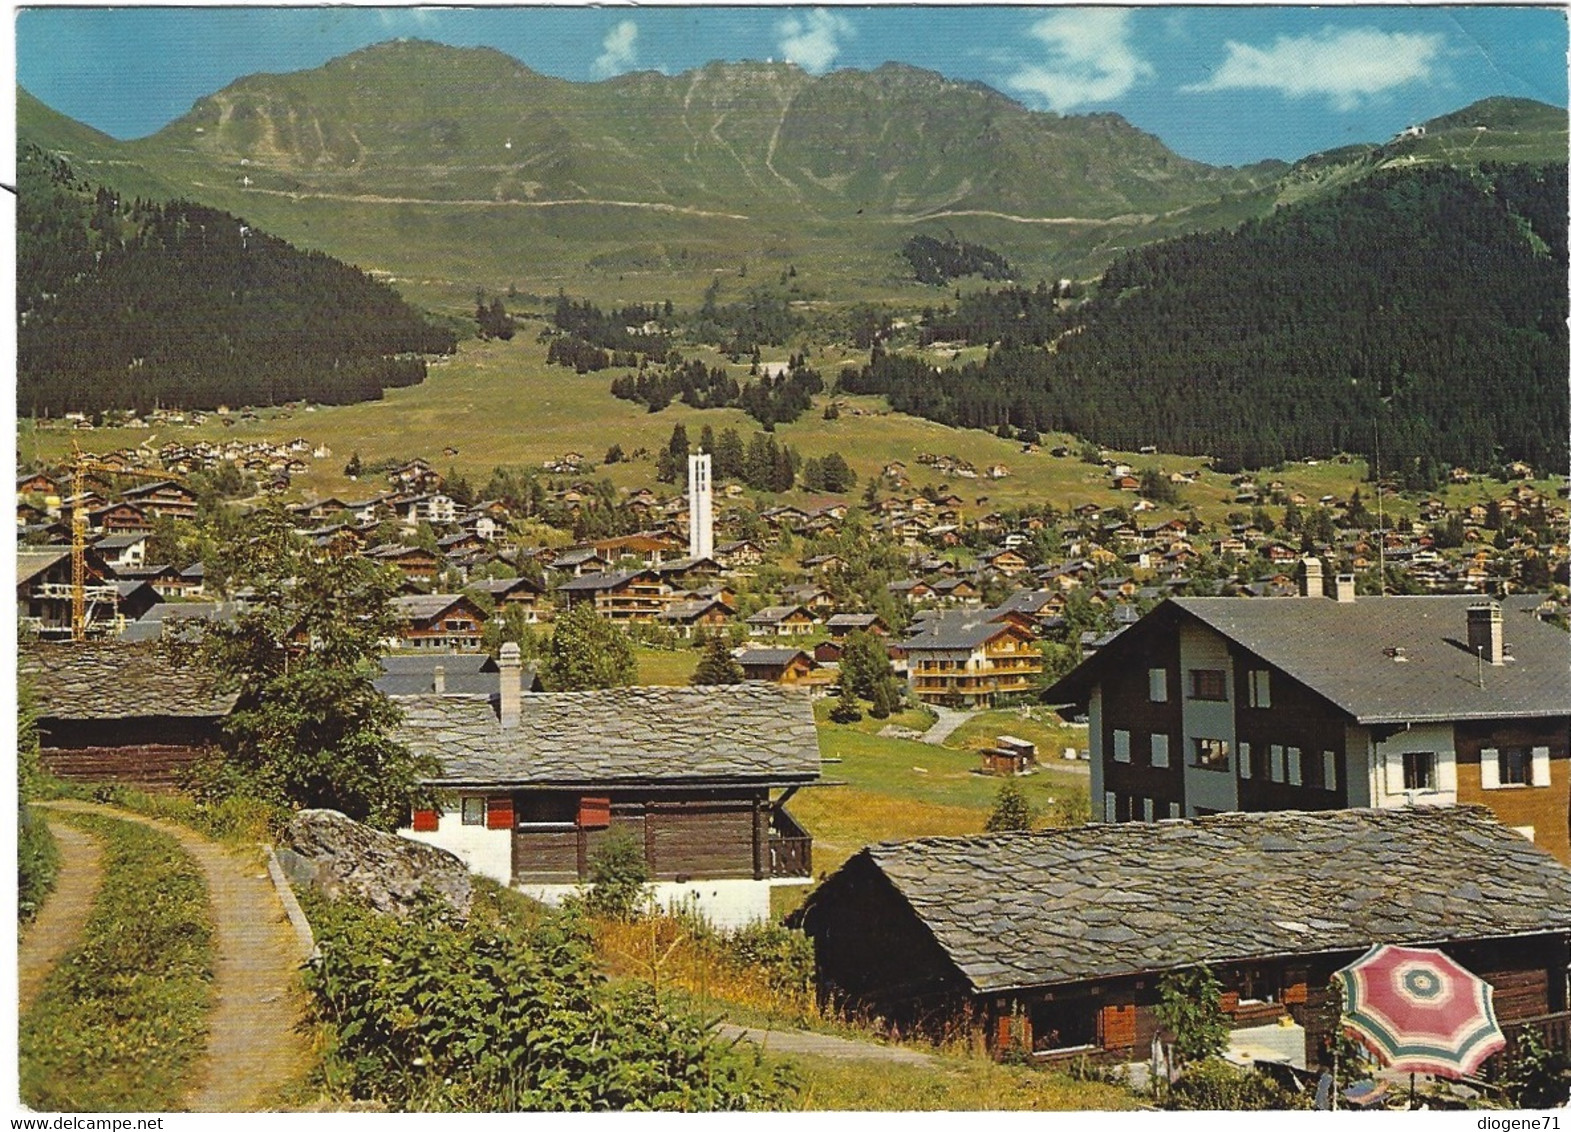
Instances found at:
x=1160 y=754
x=1109 y=806
x=1328 y=769
x=1148 y=808
x=1120 y=746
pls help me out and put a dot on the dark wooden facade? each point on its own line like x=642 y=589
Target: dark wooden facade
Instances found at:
x=154 y=753
x=1126 y=699
x=686 y=834
x=1114 y=1019
x=1299 y=717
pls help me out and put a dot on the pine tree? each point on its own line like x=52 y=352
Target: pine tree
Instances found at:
x=717 y=665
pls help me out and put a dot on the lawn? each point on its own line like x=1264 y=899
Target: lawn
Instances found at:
x=665 y=666
x=1035 y=724
x=887 y=789
x=952 y=1083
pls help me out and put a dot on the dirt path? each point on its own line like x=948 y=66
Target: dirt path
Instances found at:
x=59 y=923
x=948 y=722
x=825 y=1045
x=253 y=1045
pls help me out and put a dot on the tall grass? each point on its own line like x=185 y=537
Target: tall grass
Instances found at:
x=37 y=863
x=121 y=1022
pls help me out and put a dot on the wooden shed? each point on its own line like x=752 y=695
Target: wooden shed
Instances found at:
x=1056 y=942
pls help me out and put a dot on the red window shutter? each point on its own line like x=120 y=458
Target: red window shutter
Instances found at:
x=425 y=821
x=499 y=813
x=594 y=813
x=1295 y=994
x=1118 y=1027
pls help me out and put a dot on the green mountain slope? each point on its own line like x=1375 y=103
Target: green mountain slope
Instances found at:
x=452 y=168
x=1428 y=303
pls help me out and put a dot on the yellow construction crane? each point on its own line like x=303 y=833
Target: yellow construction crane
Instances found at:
x=83 y=463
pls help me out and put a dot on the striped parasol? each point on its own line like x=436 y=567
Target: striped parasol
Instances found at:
x=1419 y=1011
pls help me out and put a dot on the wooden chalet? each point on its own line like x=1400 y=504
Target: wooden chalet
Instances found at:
x=416 y=562
x=776 y=666
x=520 y=592
x=1056 y=942
x=699 y=776
x=438 y=621
x=970 y=659
x=44 y=592
x=686 y=617
x=165 y=497
x=781 y=621
x=627 y=596
x=843 y=623
x=113 y=712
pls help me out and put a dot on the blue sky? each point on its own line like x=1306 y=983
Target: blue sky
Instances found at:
x=1223 y=85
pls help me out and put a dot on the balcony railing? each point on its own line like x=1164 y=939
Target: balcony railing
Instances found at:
x=790 y=847
x=1554 y=1029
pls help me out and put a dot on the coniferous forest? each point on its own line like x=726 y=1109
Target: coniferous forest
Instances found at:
x=135 y=303
x=1431 y=300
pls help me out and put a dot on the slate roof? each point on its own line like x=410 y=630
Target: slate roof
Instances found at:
x=770 y=657
x=773 y=614
x=115 y=680
x=501 y=587
x=423 y=607
x=1339 y=650
x=966 y=630
x=741 y=733
x=592 y=583
x=31 y=563
x=1034 y=909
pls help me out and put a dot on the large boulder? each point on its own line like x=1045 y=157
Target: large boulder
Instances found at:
x=339 y=856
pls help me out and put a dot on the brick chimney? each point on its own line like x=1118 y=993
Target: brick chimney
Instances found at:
x=1346 y=588
x=439 y=679
x=512 y=666
x=1310 y=580
x=1486 y=632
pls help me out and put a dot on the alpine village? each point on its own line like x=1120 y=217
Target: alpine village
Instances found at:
x=774 y=630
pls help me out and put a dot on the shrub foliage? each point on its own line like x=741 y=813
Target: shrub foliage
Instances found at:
x=496 y=1016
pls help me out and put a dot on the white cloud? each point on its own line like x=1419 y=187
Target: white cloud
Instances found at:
x=1089 y=59
x=618 y=51
x=814 y=43
x=419 y=18
x=1345 y=65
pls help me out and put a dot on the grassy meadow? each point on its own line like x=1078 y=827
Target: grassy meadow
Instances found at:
x=498 y=404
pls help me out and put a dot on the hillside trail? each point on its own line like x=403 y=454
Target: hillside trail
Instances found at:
x=254 y=1042
x=824 y=1045
x=948 y=722
x=63 y=915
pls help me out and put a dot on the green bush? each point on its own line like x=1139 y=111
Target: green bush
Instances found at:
x=37 y=863
x=427 y=1015
x=618 y=877
x=845 y=710
x=1213 y=1084
x=1011 y=810
x=783 y=955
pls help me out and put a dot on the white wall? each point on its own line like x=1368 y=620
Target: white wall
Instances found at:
x=1387 y=767
x=724 y=903
x=488 y=852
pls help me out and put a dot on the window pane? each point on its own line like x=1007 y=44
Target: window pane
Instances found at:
x=1246 y=761
x=1295 y=767
x=1328 y=769
x=1207 y=684
x=1211 y=754
x=1418 y=770
x=474 y=811
x=1276 y=762
x=1121 y=746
